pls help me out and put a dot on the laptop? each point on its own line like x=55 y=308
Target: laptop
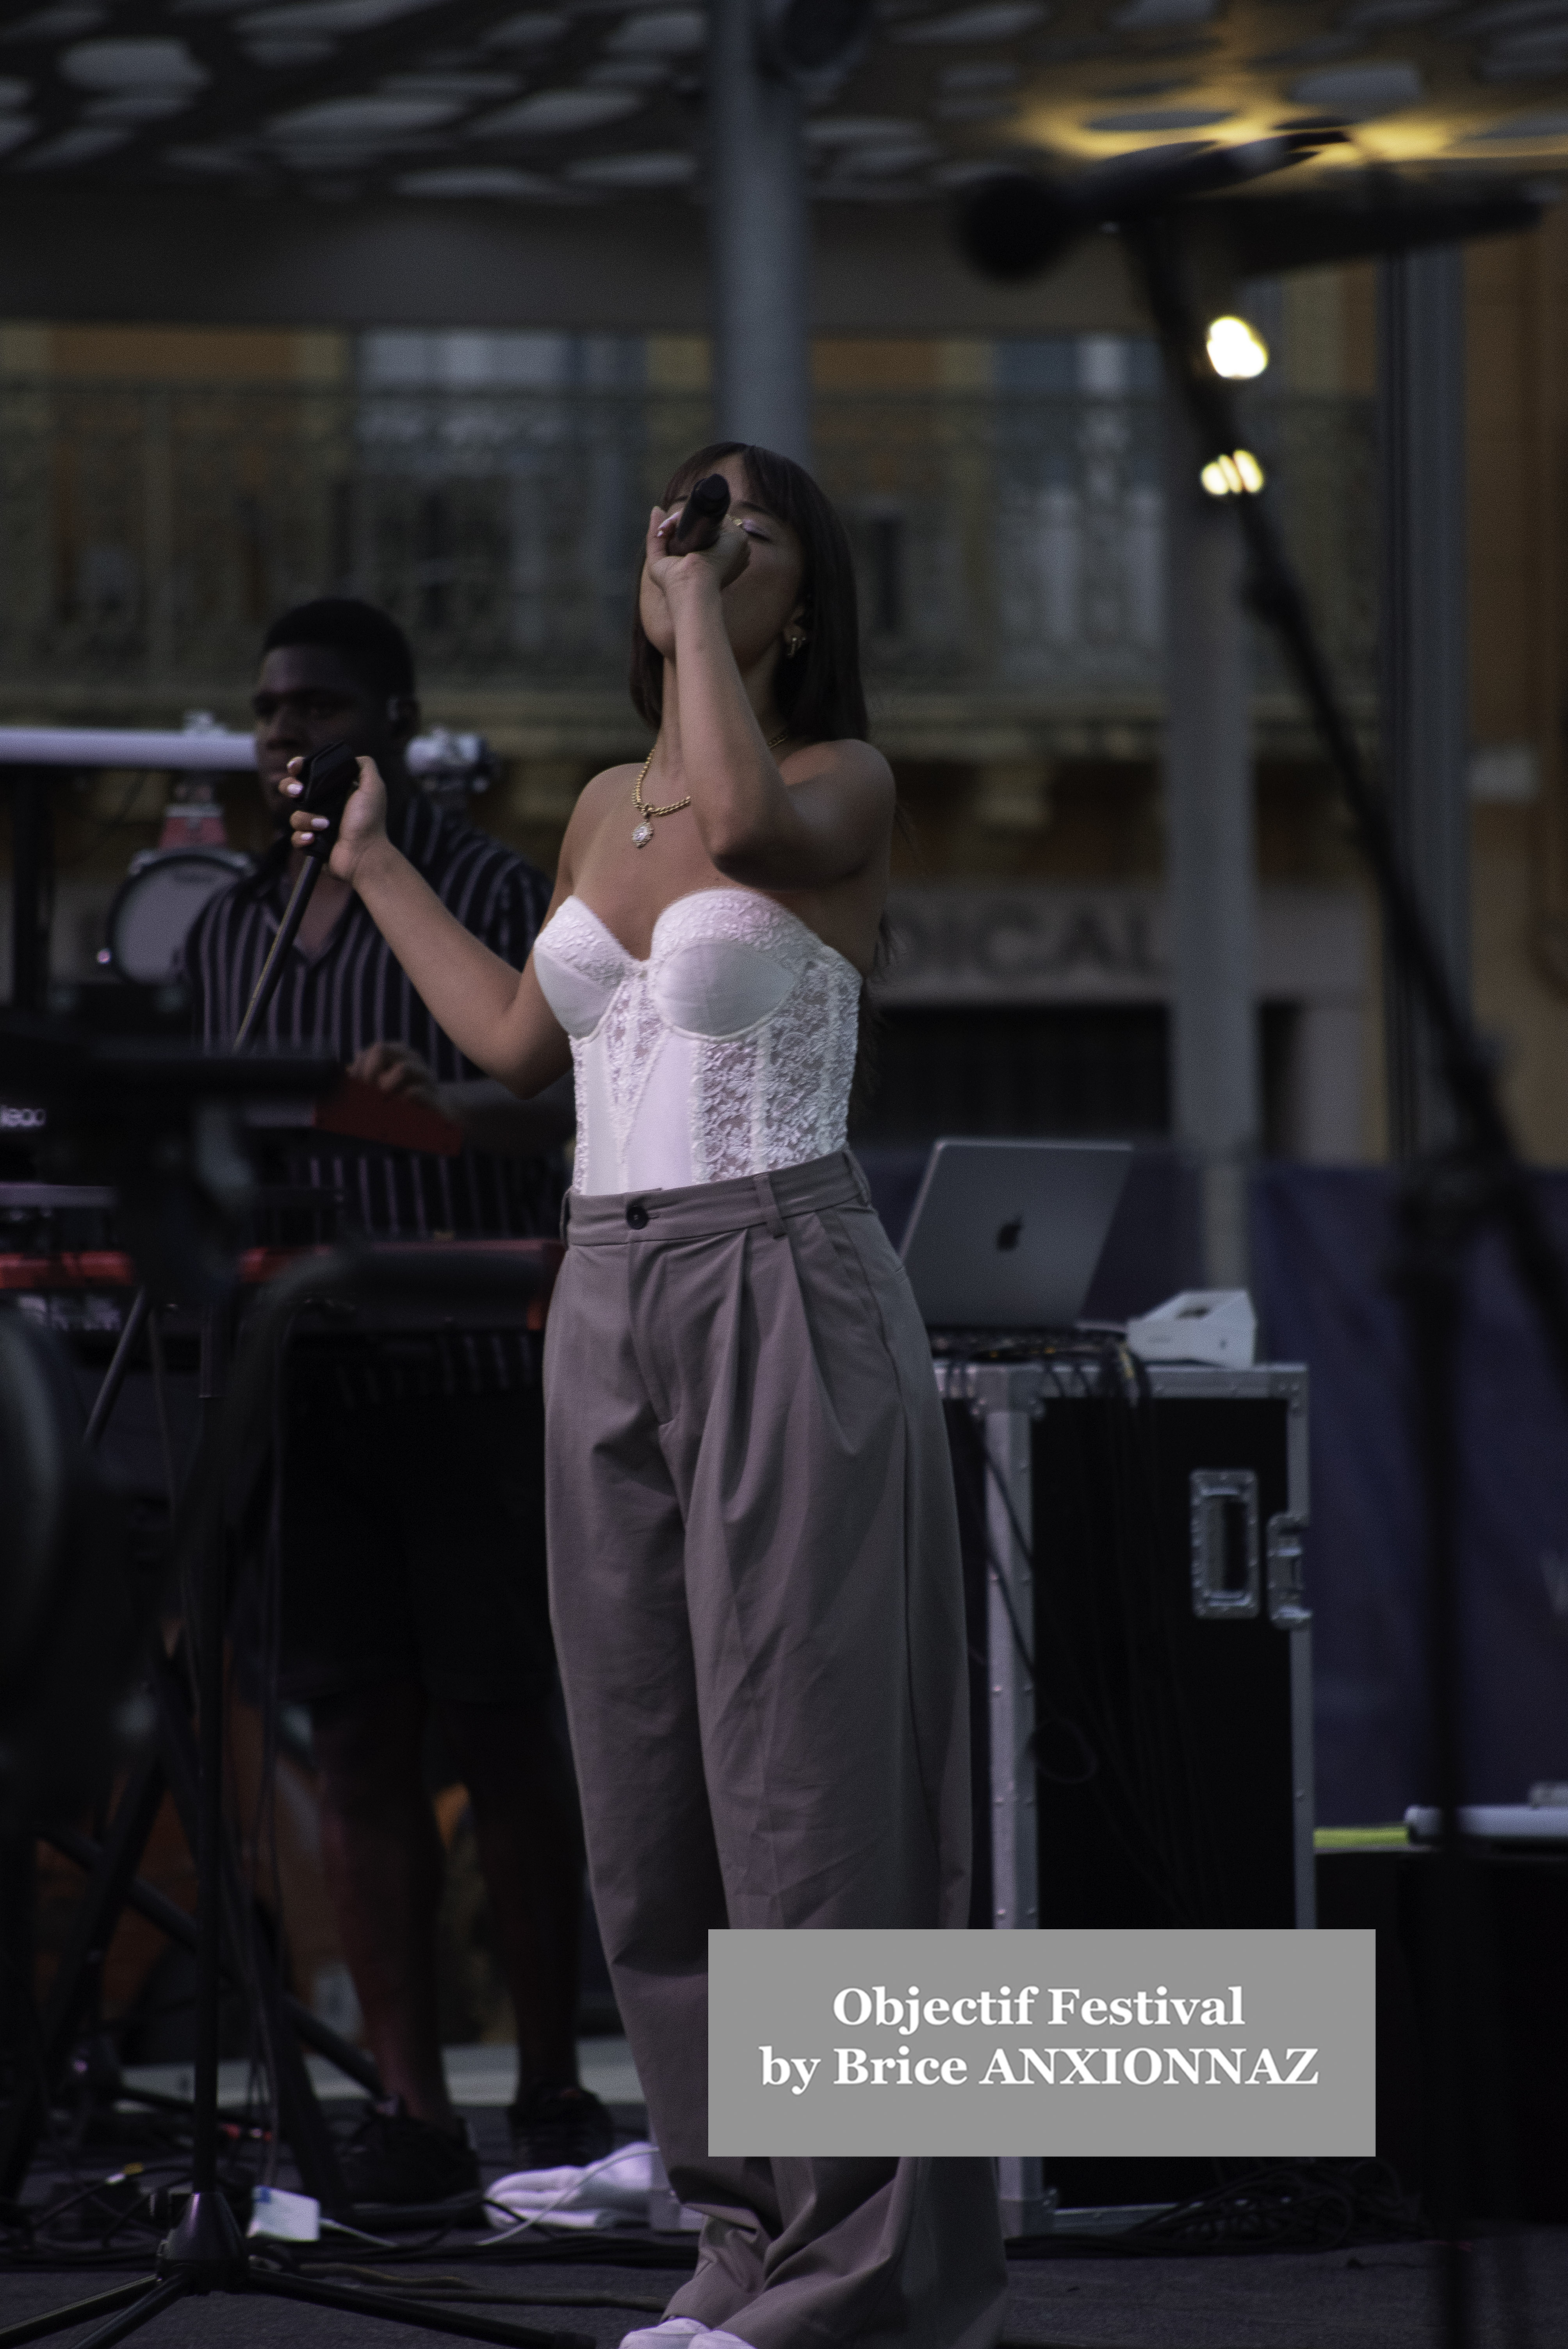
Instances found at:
x=1006 y=1235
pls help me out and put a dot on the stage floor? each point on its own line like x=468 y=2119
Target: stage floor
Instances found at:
x=1384 y=2297
x=1380 y=2296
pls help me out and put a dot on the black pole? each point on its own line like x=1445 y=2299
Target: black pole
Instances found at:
x=209 y=1865
x=1437 y=1216
x=18 y=1924
x=32 y=881
x=114 y=1377
x=269 y=977
x=212 y=1582
x=205 y=2251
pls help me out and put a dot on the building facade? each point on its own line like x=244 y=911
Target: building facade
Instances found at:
x=165 y=490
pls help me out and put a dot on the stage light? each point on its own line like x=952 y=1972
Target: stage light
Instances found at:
x=1236 y=349
x=1236 y=474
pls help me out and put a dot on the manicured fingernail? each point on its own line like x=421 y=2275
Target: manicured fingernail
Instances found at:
x=318 y=823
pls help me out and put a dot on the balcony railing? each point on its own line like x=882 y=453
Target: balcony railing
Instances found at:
x=1007 y=545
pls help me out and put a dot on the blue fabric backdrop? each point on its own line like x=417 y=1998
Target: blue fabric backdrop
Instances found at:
x=1323 y=1240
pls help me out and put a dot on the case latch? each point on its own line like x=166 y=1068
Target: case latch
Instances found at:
x=1288 y=1609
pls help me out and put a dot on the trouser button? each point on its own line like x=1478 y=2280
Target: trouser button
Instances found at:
x=637 y=1215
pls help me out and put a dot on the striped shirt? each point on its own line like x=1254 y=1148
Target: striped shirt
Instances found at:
x=353 y=993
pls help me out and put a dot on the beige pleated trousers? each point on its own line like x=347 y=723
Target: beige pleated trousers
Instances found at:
x=757 y=1598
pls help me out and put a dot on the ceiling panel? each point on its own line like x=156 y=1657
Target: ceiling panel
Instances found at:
x=600 y=103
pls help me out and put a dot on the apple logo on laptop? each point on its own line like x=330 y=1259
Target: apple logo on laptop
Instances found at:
x=1008 y=1233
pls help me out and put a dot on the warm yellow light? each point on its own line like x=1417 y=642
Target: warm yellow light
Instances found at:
x=1236 y=474
x=1236 y=349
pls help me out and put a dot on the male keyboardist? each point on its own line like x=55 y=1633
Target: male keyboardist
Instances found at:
x=413 y=1547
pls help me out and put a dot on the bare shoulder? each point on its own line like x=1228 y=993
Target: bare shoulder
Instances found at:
x=607 y=785
x=596 y=799
x=849 y=762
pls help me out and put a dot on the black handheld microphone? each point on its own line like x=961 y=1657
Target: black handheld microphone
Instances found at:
x=702 y=515
x=329 y=776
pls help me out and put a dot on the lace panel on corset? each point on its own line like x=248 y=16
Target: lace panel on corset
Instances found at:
x=778 y=1095
x=630 y=1035
x=583 y=1140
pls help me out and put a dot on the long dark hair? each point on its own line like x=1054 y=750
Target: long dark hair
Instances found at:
x=819 y=692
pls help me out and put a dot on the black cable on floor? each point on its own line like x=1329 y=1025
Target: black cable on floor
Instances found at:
x=461 y=2288
x=1307 y=2206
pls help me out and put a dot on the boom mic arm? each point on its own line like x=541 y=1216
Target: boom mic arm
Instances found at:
x=1017 y=224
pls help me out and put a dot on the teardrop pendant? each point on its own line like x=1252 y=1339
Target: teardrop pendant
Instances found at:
x=642 y=835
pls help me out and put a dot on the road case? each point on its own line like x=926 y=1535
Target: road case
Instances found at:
x=1141 y=1644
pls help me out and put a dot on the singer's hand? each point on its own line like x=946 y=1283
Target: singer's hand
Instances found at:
x=715 y=565
x=364 y=821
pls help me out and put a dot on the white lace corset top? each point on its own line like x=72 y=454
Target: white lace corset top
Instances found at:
x=729 y=1051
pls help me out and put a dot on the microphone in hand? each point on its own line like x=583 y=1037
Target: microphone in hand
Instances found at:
x=329 y=776
x=701 y=517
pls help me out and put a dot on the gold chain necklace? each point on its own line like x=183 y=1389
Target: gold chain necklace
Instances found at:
x=645 y=811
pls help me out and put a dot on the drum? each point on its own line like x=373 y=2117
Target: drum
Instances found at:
x=159 y=900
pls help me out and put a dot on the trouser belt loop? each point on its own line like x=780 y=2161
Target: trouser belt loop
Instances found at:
x=768 y=1205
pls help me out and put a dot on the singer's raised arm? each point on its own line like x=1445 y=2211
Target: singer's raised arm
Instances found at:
x=495 y=1014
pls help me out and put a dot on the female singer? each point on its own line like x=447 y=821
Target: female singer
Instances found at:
x=754 y=1558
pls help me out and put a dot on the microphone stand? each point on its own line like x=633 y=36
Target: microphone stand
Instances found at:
x=329 y=776
x=205 y=2251
x=1447 y=1201
x=269 y=977
x=268 y=981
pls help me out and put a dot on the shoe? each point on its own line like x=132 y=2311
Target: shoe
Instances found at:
x=392 y=2157
x=561 y=2127
x=671 y=2334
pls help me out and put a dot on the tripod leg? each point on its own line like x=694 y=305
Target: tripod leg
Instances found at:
x=160 y=1406
x=299 y=2110
x=18 y=1940
x=96 y=1915
x=176 y=1925
x=114 y=1377
x=467 y=2325
x=300 y=2116
x=131 y=2320
x=140 y=2300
